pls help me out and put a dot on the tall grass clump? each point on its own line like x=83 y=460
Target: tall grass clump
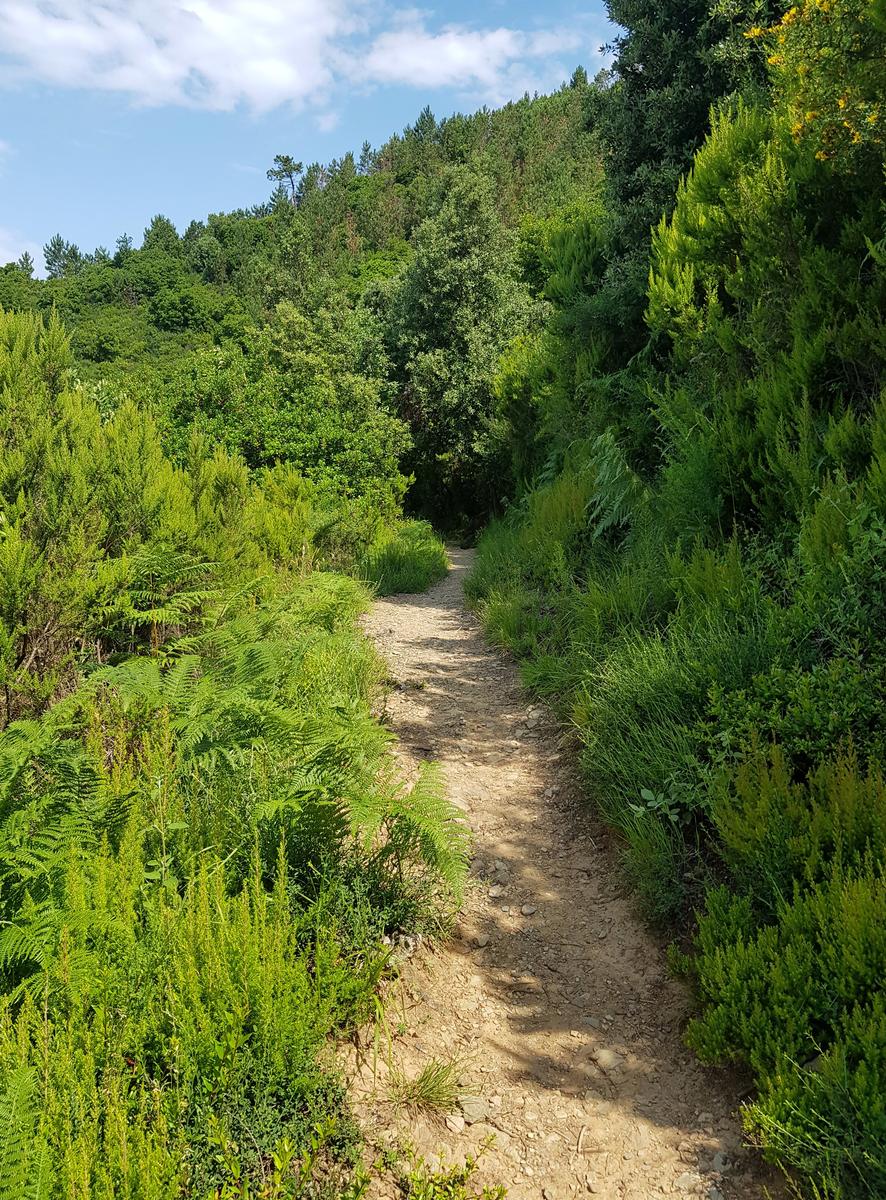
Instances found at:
x=404 y=557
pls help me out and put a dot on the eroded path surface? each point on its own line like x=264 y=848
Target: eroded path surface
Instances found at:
x=553 y=995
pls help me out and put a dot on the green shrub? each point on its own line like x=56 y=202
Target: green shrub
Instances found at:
x=776 y=830
x=800 y=1000
x=808 y=713
x=202 y=841
x=406 y=557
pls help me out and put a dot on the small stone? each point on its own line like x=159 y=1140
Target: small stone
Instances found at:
x=500 y=866
x=705 y=1118
x=481 y=940
x=594 y=1022
x=547 y=1194
x=473 y=1109
x=721 y=1163
x=591 y=1184
x=714 y=1193
x=528 y=1171
x=607 y=1059
x=687 y=1181
x=496 y=890
x=455 y=1123
x=528 y=909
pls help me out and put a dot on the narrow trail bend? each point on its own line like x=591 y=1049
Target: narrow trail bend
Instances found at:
x=553 y=996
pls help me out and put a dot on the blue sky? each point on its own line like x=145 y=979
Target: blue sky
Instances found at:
x=114 y=110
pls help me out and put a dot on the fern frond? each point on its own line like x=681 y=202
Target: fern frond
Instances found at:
x=426 y=832
x=17 y=1120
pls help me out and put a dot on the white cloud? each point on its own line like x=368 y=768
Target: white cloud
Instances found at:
x=202 y=53
x=455 y=56
x=328 y=121
x=13 y=245
x=217 y=54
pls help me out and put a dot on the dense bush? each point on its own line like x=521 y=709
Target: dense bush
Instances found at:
x=202 y=843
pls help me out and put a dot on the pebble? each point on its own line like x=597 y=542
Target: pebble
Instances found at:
x=528 y=909
x=714 y=1193
x=473 y=1109
x=608 y=1059
x=687 y=1181
x=481 y=940
x=455 y=1123
x=591 y=1184
x=497 y=889
x=721 y=1163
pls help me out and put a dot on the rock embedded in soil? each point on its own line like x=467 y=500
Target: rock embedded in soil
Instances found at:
x=608 y=1060
x=688 y=1181
x=473 y=1108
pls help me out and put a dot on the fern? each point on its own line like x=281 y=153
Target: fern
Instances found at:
x=422 y=831
x=24 y=1160
x=619 y=494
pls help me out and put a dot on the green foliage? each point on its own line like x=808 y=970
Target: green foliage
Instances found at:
x=202 y=844
x=695 y=569
x=447 y=322
x=449 y=1183
x=673 y=61
x=407 y=557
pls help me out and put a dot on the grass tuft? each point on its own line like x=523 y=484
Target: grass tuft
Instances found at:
x=434 y=1089
x=408 y=557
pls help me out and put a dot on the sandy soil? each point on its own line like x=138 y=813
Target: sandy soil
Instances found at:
x=553 y=996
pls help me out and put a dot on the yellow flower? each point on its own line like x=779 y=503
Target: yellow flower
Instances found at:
x=775 y=60
x=841 y=103
x=811 y=115
x=821 y=155
x=873 y=118
x=755 y=32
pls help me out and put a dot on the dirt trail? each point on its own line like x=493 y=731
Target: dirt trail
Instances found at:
x=553 y=996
